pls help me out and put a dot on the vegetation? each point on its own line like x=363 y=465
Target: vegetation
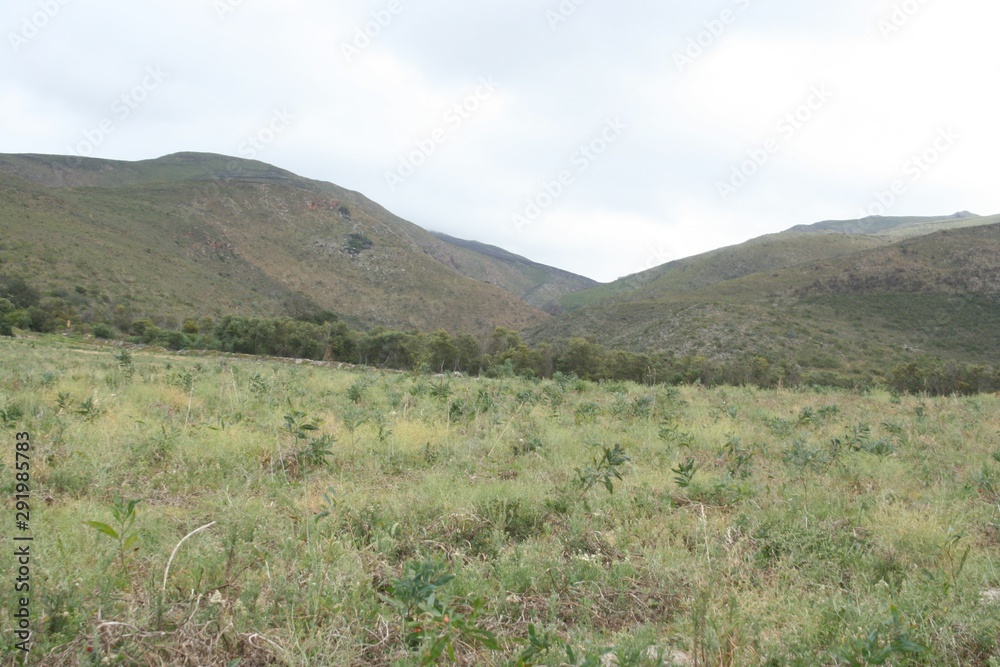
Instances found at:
x=220 y=510
x=117 y=241
x=323 y=337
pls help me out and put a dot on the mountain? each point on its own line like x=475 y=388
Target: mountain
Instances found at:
x=541 y=286
x=895 y=227
x=845 y=297
x=192 y=234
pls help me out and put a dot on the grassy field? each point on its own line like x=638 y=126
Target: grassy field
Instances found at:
x=364 y=518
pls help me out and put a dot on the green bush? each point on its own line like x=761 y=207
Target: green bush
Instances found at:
x=103 y=331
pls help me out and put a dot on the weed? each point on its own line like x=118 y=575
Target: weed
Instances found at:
x=298 y=425
x=604 y=471
x=441 y=390
x=432 y=625
x=945 y=577
x=739 y=458
x=62 y=400
x=357 y=390
x=124 y=515
x=329 y=505
x=89 y=409
x=354 y=418
x=314 y=453
x=670 y=432
x=586 y=413
x=684 y=473
x=878 y=646
x=259 y=385
x=805 y=457
x=11 y=415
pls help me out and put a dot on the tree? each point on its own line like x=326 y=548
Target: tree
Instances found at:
x=470 y=356
x=16 y=290
x=582 y=357
x=443 y=352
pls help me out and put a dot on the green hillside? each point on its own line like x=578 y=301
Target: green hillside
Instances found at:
x=540 y=285
x=192 y=235
x=862 y=304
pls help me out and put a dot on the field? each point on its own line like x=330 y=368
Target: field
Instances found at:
x=357 y=517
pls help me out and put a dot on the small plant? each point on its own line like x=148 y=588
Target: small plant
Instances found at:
x=329 y=505
x=316 y=450
x=431 y=624
x=604 y=471
x=828 y=411
x=586 y=413
x=89 y=409
x=739 y=458
x=124 y=514
x=382 y=424
x=684 y=473
x=807 y=416
x=672 y=434
x=357 y=390
x=779 y=427
x=259 y=385
x=62 y=400
x=10 y=415
x=353 y=419
x=946 y=576
x=538 y=646
x=803 y=456
x=878 y=646
x=125 y=362
x=441 y=390
x=298 y=425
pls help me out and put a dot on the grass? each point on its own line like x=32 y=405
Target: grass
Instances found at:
x=566 y=520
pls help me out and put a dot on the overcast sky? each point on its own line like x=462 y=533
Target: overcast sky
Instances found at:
x=601 y=137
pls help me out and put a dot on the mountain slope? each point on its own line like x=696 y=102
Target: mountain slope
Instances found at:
x=191 y=235
x=540 y=285
x=869 y=303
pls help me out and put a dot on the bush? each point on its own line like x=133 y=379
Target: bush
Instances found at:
x=103 y=331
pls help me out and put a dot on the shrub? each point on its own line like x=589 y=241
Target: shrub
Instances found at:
x=103 y=331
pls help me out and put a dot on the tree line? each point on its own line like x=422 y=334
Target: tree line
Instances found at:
x=322 y=336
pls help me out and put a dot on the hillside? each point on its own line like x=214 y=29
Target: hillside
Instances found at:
x=192 y=235
x=844 y=303
x=540 y=285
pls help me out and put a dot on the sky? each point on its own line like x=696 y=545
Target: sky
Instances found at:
x=600 y=137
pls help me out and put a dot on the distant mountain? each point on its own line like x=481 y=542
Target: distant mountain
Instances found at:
x=540 y=285
x=193 y=234
x=846 y=297
x=894 y=226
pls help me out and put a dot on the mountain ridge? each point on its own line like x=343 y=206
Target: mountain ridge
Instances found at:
x=237 y=236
